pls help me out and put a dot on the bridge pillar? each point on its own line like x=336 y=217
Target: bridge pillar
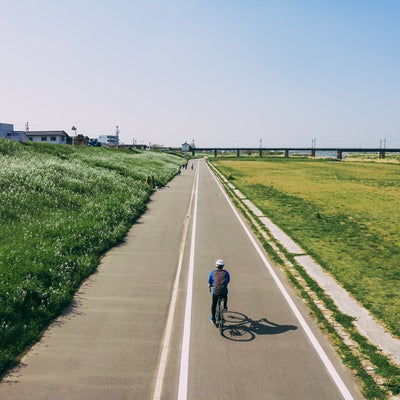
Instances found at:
x=261 y=153
x=339 y=154
x=382 y=154
x=215 y=153
x=238 y=152
x=286 y=153
x=193 y=152
x=312 y=152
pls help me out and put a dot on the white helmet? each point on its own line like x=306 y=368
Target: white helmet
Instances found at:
x=219 y=263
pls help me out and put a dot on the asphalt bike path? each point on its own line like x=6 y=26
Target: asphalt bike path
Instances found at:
x=107 y=344
x=139 y=327
x=265 y=352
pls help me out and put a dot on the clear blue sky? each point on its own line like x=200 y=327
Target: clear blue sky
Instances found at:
x=224 y=72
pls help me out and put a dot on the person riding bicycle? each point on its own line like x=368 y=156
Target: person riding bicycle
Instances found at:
x=218 y=285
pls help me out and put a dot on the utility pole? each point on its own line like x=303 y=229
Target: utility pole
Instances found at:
x=313 y=147
x=382 y=151
x=314 y=143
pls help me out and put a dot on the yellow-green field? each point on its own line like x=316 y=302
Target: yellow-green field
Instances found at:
x=345 y=214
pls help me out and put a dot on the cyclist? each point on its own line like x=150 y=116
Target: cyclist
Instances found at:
x=218 y=285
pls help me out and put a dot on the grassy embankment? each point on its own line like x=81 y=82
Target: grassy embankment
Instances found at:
x=345 y=215
x=61 y=208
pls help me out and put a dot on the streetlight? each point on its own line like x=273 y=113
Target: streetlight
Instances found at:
x=117 y=134
x=73 y=137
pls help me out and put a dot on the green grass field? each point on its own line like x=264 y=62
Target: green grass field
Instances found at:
x=61 y=208
x=345 y=214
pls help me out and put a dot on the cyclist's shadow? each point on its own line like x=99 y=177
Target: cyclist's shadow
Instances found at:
x=240 y=328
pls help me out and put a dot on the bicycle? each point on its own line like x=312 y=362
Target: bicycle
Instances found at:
x=219 y=315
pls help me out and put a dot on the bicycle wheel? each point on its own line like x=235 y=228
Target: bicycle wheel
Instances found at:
x=221 y=320
x=217 y=313
x=220 y=316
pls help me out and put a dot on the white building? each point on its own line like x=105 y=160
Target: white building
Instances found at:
x=55 y=137
x=109 y=140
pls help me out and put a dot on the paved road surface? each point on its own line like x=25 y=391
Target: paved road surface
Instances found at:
x=109 y=344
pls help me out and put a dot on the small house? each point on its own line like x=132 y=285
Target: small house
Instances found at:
x=186 y=147
x=55 y=137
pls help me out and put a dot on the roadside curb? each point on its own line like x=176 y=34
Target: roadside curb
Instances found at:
x=364 y=322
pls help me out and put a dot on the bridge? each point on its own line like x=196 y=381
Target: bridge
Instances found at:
x=286 y=150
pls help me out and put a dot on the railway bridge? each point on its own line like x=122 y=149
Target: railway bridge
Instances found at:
x=287 y=150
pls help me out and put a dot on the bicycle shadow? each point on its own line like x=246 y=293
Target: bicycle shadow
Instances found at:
x=240 y=328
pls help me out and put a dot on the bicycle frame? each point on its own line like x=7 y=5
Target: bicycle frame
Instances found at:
x=219 y=315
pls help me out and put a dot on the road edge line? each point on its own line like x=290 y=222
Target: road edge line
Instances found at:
x=171 y=312
x=184 y=366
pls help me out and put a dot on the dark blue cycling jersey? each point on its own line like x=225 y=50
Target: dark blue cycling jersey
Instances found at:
x=218 y=280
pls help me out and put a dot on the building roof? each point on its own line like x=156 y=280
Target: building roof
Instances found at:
x=47 y=133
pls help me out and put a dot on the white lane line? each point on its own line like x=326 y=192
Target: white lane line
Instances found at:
x=184 y=369
x=329 y=366
x=171 y=312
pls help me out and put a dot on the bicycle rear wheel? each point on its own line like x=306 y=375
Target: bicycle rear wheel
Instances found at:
x=221 y=321
x=220 y=316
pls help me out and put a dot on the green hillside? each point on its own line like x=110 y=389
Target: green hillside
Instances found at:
x=61 y=208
